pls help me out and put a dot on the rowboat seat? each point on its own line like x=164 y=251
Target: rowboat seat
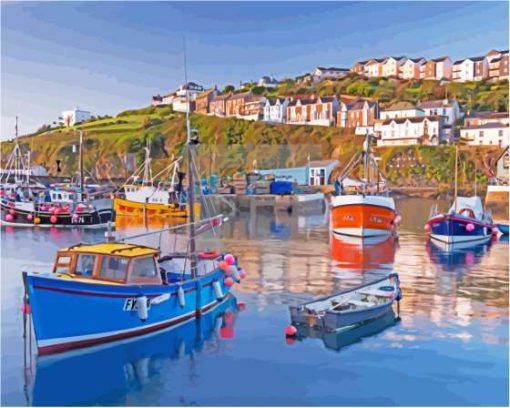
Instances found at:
x=360 y=303
x=376 y=292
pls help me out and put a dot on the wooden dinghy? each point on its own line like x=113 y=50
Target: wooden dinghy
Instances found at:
x=351 y=307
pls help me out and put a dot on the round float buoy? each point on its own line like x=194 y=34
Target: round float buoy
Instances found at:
x=9 y=218
x=398 y=218
x=495 y=231
x=470 y=227
x=37 y=220
x=229 y=282
x=223 y=266
x=242 y=273
x=30 y=217
x=241 y=306
x=53 y=219
x=12 y=212
x=290 y=331
x=427 y=228
x=75 y=217
x=229 y=259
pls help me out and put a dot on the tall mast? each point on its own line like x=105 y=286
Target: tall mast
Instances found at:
x=455 y=191
x=81 y=164
x=366 y=148
x=147 y=172
x=191 y=189
x=475 y=176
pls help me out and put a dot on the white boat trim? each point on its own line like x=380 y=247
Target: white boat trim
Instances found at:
x=455 y=239
x=362 y=232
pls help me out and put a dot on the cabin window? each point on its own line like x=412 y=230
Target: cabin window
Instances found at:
x=113 y=268
x=62 y=264
x=143 y=268
x=85 y=265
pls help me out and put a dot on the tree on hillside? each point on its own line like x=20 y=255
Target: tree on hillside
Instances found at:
x=228 y=88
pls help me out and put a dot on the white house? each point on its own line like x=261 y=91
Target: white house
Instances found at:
x=320 y=73
x=184 y=97
x=373 y=68
x=427 y=130
x=319 y=171
x=268 y=82
x=72 y=117
x=401 y=110
x=411 y=68
x=470 y=69
x=496 y=134
x=391 y=66
x=443 y=67
x=445 y=107
x=275 y=110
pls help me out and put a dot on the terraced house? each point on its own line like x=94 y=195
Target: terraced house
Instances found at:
x=218 y=104
x=235 y=104
x=357 y=112
x=275 y=110
x=319 y=111
x=437 y=69
x=426 y=130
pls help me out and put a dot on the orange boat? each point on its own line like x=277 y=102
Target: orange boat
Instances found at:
x=363 y=208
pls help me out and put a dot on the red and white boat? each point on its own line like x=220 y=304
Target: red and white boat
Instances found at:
x=362 y=206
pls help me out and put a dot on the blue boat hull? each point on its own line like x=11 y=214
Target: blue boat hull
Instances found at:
x=70 y=314
x=503 y=228
x=452 y=229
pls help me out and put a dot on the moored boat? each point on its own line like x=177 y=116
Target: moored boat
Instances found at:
x=351 y=307
x=363 y=208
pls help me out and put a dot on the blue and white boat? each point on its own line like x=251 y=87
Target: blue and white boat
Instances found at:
x=465 y=222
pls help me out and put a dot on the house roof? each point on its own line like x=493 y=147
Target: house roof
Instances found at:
x=273 y=101
x=309 y=100
x=323 y=163
x=415 y=60
x=474 y=59
x=438 y=103
x=333 y=69
x=488 y=115
x=206 y=93
x=490 y=125
x=400 y=106
x=439 y=59
x=359 y=103
x=414 y=119
x=240 y=95
x=221 y=97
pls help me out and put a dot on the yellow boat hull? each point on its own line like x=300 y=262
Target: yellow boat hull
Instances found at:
x=132 y=208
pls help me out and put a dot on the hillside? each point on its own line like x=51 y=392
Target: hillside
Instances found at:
x=229 y=145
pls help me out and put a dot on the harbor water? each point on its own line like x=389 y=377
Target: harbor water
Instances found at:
x=448 y=346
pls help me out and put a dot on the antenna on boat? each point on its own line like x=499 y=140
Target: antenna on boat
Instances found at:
x=191 y=187
x=455 y=190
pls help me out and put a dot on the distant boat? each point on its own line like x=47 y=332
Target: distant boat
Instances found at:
x=363 y=208
x=23 y=204
x=351 y=307
x=465 y=222
x=145 y=197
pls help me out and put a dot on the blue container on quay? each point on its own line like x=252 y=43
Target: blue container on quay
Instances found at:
x=281 y=187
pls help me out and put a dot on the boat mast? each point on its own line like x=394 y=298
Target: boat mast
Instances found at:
x=81 y=164
x=147 y=172
x=191 y=189
x=475 y=176
x=455 y=191
x=366 y=148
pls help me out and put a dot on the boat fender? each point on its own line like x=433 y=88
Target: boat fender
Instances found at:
x=470 y=227
x=234 y=272
x=180 y=295
x=160 y=299
x=141 y=307
x=217 y=290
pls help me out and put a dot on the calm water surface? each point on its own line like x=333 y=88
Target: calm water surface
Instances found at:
x=449 y=347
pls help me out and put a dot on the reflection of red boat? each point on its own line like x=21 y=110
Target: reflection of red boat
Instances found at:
x=359 y=253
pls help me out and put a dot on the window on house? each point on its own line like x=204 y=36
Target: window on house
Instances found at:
x=481 y=133
x=500 y=133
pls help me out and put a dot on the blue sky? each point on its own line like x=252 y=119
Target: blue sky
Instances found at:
x=107 y=57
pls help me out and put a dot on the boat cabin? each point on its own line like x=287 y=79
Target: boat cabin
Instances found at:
x=119 y=263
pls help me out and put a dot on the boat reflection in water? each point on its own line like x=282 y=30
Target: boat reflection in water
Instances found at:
x=107 y=373
x=451 y=256
x=340 y=339
x=363 y=253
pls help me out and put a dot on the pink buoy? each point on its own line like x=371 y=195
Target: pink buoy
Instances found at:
x=53 y=219
x=495 y=231
x=12 y=212
x=75 y=217
x=229 y=282
x=226 y=333
x=242 y=274
x=229 y=259
x=470 y=227
x=290 y=331
x=223 y=266
x=241 y=306
x=398 y=219
x=9 y=218
x=30 y=217
x=427 y=228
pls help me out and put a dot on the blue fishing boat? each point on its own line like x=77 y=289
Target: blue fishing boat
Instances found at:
x=109 y=291
x=466 y=221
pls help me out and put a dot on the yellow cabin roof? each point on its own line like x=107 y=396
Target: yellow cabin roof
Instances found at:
x=113 y=248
